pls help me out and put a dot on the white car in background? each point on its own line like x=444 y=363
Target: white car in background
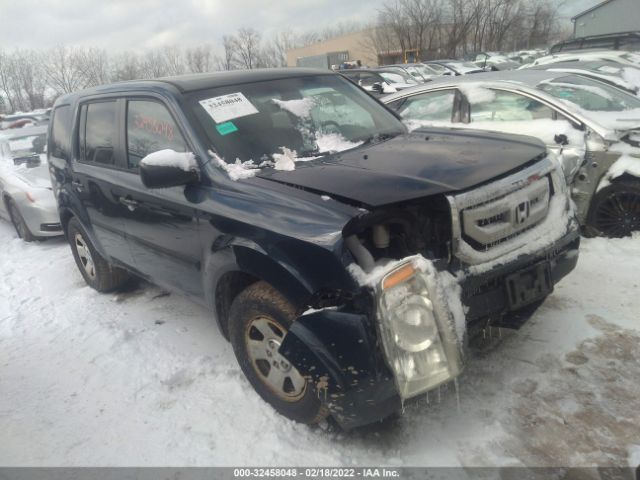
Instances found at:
x=617 y=56
x=26 y=196
x=593 y=128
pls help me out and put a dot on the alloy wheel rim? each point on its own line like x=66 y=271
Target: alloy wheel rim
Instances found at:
x=263 y=338
x=619 y=214
x=85 y=256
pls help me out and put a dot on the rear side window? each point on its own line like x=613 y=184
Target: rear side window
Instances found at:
x=430 y=106
x=150 y=128
x=60 y=142
x=99 y=133
x=508 y=107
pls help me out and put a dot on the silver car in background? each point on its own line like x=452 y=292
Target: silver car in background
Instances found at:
x=593 y=127
x=26 y=195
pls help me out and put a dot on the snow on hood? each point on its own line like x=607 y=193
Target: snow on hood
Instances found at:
x=169 y=158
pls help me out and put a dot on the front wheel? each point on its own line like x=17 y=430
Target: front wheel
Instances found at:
x=18 y=222
x=96 y=271
x=259 y=319
x=615 y=210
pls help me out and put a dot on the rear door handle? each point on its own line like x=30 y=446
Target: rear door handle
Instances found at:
x=129 y=202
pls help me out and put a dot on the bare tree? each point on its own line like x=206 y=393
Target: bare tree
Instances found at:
x=64 y=70
x=199 y=59
x=126 y=66
x=248 y=48
x=230 y=46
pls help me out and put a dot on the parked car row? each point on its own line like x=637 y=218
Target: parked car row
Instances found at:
x=346 y=255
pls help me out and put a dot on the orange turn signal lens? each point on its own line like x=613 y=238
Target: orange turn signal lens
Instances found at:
x=401 y=275
x=30 y=197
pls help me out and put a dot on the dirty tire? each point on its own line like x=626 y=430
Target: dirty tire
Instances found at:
x=103 y=277
x=260 y=302
x=18 y=222
x=615 y=210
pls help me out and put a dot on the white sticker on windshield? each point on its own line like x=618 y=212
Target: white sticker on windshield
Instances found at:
x=228 y=107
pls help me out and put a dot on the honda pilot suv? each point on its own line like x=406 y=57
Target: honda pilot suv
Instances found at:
x=343 y=257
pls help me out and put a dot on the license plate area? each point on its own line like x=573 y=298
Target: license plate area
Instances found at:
x=529 y=285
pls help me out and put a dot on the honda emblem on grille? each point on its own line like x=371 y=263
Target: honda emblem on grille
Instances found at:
x=522 y=212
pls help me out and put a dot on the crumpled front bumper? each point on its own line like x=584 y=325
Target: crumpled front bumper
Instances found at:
x=341 y=353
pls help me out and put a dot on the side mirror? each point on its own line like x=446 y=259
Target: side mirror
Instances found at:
x=377 y=87
x=168 y=168
x=561 y=139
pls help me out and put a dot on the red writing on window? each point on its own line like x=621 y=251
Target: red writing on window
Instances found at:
x=155 y=126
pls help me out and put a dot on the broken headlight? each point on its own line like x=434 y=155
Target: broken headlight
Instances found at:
x=417 y=332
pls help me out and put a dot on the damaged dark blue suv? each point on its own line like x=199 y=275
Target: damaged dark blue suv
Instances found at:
x=342 y=256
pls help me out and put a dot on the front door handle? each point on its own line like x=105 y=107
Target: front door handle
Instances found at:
x=130 y=203
x=78 y=185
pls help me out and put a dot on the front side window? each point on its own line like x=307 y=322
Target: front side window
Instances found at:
x=150 y=127
x=100 y=133
x=311 y=115
x=507 y=106
x=431 y=106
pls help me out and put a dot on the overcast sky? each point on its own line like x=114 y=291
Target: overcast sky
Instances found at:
x=143 y=24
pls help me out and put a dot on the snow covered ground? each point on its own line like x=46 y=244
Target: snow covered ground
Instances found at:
x=144 y=378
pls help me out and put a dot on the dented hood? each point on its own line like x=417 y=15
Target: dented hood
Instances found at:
x=425 y=162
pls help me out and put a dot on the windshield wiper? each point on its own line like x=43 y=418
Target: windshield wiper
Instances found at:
x=378 y=137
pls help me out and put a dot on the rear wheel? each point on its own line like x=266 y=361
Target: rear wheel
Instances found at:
x=97 y=272
x=259 y=320
x=18 y=222
x=615 y=210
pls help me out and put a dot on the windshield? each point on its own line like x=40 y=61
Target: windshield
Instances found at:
x=439 y=69
x=463 y=66
x=589 y=94
x=397 y=77
x=310 y=116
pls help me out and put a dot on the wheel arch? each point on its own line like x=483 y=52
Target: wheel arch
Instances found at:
x=231 y=270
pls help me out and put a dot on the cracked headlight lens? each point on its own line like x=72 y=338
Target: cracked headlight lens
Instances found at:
x=418 y=341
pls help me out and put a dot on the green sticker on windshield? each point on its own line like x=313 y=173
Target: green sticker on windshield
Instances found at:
x=226 y=128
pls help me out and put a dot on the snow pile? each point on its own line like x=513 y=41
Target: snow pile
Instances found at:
x=446 y=286
x=170 y=158
x=475 y=93
x=334 y=142
x=238 y=170
x=299 y=107
x=285 y=160
x=632 y=75
x=625 y=164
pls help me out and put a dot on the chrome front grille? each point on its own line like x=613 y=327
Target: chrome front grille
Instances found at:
x=494 y=222
x=499 y=213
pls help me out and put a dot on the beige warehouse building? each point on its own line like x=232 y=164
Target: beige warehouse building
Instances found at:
x=350 y=47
